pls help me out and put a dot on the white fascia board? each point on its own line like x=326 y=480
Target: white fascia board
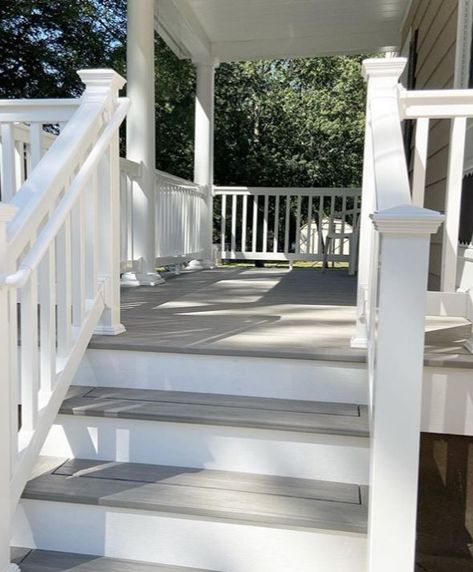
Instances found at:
x=177 y=24
x=310 y=46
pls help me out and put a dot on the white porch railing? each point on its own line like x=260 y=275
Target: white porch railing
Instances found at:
x=59 y=263
x=22 y=145
x=393 y=297
x=289 y=224
x=182 y=219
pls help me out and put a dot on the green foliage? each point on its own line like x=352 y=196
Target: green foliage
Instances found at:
x=44 y=42
x=290 y=123
x=280 y=123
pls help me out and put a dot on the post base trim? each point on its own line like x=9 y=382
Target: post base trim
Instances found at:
x=134 y=279
x=109 y=330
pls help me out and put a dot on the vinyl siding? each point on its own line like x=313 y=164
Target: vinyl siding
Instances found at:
x=436 y=23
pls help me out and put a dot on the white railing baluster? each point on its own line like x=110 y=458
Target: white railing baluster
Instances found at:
x=264 y=248
x=19 y=163
x=452 y=205
x=287 y=223
x=254 y=240
x=224 y=222
x=298 y=224
x=233 y=225
x=36 y=143
x=78 y=268
x=8 y=173
x=244 y=223
x=64 y=290
x=309 y=225
x=47 y=302
x=29 y=354
x=320 y=243
x=420 y=161
x=276 y=225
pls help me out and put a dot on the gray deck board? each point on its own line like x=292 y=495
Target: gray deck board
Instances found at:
x=49 y=561
x=222 y=410
x=265 y=312
x=213 y=479
x=327 y=506
x=264 y=403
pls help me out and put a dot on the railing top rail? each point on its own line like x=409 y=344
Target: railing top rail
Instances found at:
x=37 y=110
x=177 y=180
x=438 y=104
x=326 y=191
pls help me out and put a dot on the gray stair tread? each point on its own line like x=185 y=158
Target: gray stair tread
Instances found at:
x=236 y=497
x=215 y=409
x=49 y=561
x=212 y=479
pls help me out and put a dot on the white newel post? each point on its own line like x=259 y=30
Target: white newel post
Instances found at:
x=8 y=416
x=395 y=425
x=107 y=83
x=381 y=75
x=204 y=148
x=141 y=139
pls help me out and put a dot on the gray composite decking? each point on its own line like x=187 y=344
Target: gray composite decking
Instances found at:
x=259 y=500
x=214 y=409
x=49 y=561
x=263 y=312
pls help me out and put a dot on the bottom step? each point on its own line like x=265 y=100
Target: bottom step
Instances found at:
x=50 y=561
x=194 y=518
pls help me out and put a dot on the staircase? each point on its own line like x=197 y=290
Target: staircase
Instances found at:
x=219 y=481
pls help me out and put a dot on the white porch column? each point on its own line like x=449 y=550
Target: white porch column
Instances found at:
x=204 y=146
x=141 y=137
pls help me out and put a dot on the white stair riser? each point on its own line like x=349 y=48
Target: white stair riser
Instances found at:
x=324 y=457
x=279 y=378
x=154 y=537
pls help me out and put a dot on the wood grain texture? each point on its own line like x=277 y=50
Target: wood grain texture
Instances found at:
x=249 y=499
x=212 y=409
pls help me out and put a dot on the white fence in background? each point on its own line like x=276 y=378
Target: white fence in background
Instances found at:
x=289 y=224
x=59 y=263
x=395 y=239
x=182 y=218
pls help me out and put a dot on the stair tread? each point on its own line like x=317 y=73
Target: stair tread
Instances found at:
x=50 y=561
x=217 y=409
x=235 y=497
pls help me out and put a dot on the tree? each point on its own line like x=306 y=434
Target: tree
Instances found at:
x=44 y=42
x=278 y=123
x=290 y=122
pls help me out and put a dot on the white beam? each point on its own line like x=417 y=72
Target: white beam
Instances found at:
x=141 y=132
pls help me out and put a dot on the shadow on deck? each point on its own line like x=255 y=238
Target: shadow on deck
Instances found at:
x=264 y=312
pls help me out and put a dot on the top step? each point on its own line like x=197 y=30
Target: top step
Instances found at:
x=215 y=409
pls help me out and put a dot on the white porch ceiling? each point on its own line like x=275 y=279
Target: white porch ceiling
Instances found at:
x=233 y=30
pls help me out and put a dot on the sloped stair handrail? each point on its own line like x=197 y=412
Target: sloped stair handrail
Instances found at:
x=59 y=264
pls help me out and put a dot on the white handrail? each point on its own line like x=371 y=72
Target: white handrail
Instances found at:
x=58 y=253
